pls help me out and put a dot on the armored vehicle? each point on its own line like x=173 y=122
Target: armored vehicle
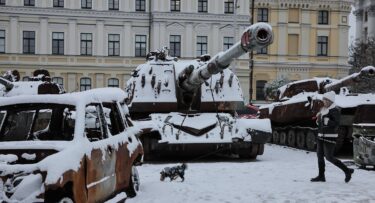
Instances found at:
x=39 y=83
x=292 y=117
x=191 y=104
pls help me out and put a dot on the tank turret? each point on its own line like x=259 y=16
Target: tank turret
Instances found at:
x=179 y=94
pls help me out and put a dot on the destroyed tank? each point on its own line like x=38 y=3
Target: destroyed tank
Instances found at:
x=187 y=107
x=39 y=83
x=292 y=115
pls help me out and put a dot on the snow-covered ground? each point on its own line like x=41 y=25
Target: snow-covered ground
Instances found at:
x=280 y=175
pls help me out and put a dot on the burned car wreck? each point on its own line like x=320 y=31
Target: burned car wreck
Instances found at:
x=74 y=147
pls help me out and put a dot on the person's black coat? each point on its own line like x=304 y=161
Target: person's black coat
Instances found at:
x=332 y=127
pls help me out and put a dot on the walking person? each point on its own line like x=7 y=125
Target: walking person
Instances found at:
x=328 y=125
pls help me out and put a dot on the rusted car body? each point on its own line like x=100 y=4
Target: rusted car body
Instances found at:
x=364 y=136
x=75 y=147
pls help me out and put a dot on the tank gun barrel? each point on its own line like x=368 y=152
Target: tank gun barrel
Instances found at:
x=256 y=36
x=8 y=84
x=366 y=73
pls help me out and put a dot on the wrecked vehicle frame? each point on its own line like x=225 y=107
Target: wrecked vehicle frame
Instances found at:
x=74 y=146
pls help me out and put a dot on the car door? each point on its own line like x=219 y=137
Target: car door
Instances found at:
x=100 y=165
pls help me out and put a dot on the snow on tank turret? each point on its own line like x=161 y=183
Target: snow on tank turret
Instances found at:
x=40 y=83
x=291 y=115
x=191 y=104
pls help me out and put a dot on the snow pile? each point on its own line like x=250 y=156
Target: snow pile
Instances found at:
x=29 y=157
x=8 y=158
x=280 y=175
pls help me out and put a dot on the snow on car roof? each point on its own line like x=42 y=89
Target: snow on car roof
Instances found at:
x=86 y=97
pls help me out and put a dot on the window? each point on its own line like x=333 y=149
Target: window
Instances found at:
x=113 y=82
x=229 y=6
x=175 y=5
x=86 y=44
x=95 y=123
x=260 y=89
x=228 y=42
x=58 y=43
x=113 y=45
x=58 y=80
x=140 y=45
x=323 y=17
x=175 y=45
x=201 y=45
x=366 y=16
x=113 y=4
x=26 y=78
x=87 y=4
x=140 y=5
x=322 y=46
x=28 y=42
x=293 y=15
x=29 y=2
x=293 y=44
x=85 y=84
x=2 y=2
x=58 y=3
x=202 y=6
x=263 y=50
x=262 y=14
x=2 y=41
x=113 y=118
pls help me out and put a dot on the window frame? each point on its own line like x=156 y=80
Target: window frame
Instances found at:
x=29 y=2
x=83 y=86
x=113 y=85
x=2 y=2
x=323 y=17
x=58 y=3
x=175 y=5
x=115 y=5
x=141 y=51
x=202 y=45
x=2 y=38
x=202 y=6
x=59 y=42
x=140 y=5
x=86 y=42
x=263 y=50
x=262 y=15
x=30 y=43
x=113 y=51
x=86 y=4
x=259 y=95
x=229 y=7
x=227 y=44
x=175 y=45
x=58 y=80
x=322 y=46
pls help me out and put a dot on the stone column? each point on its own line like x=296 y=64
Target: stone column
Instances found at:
x=189 y=43
x=100 y=38
x=13 y=35
x=126 y=40
x=215 y=41
x=371 y=22
x=163 y=36
x=359 y=24
x=99 y=77
x=43 y=36
x=72 y=83
x=72 y=41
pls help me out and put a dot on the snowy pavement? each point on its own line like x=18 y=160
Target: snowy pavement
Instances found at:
x=280 y=175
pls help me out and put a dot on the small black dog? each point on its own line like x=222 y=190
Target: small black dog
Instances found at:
x=174 y=172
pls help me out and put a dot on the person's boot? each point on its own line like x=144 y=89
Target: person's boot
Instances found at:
x=348 y=174
x=319 y=178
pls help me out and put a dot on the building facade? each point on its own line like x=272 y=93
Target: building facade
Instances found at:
x=95 y=43
x=311 y=39
x=365 y=19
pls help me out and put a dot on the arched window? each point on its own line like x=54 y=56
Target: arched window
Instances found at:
x=85 y=84
x=58 y=80
x=113 y=82
x=260 y=89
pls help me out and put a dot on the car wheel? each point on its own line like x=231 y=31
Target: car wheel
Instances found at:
x=66 y=200
x=134 y=183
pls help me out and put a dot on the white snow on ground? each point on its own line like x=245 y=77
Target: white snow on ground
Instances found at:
x=280 y=175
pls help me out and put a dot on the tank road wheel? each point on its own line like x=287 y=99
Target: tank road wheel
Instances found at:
x=301 y=137
x=275 y=137
x=291 y=138
x=310 y=140
x=282 y=140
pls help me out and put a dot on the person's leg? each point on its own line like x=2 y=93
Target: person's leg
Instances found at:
x=321 y=163
x=329 y=149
